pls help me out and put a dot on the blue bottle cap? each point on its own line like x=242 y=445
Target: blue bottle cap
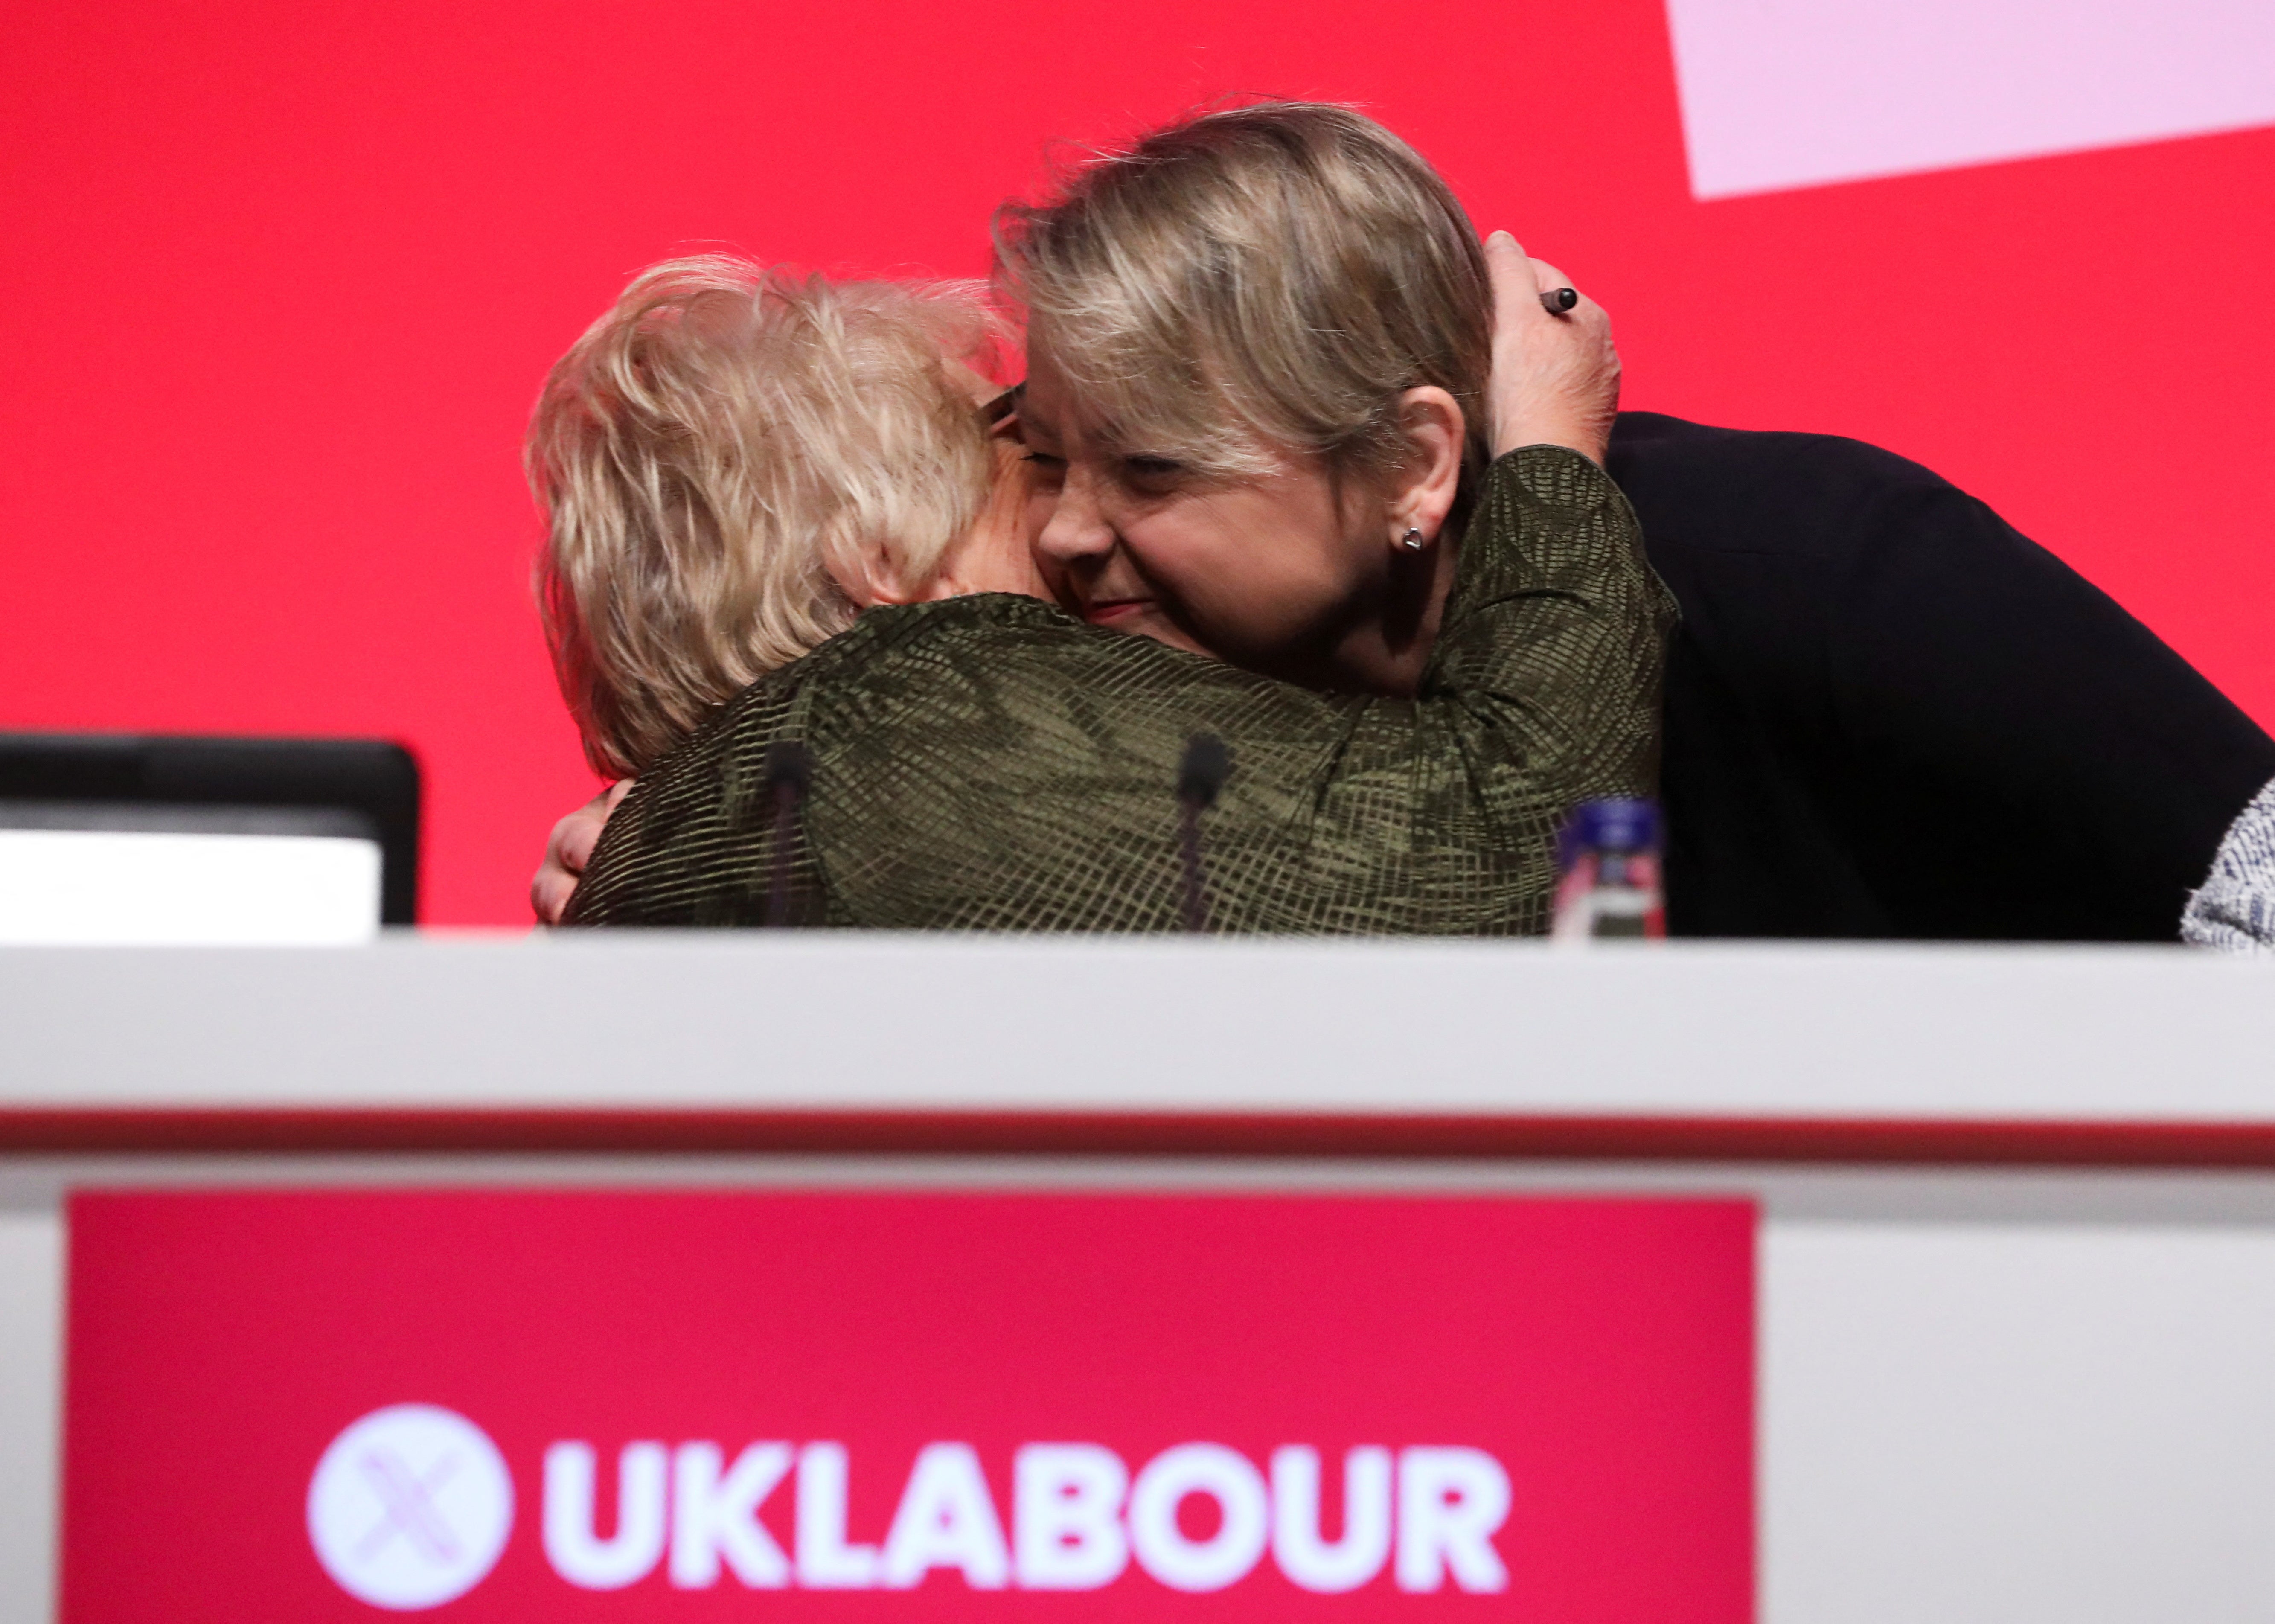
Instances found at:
x=1615 y=826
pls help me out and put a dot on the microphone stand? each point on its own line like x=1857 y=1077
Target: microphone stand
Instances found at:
x=1199 y=777
x=789 y=773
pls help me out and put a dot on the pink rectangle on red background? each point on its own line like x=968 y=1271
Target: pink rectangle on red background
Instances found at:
x=1600 y=1351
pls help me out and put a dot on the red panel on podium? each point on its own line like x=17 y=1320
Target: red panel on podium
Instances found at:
x=646 y=1406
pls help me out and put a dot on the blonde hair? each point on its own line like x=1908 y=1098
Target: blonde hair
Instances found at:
x=717 y=447
x=1263 y=277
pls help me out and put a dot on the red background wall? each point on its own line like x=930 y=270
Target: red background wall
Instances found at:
x=277 y=284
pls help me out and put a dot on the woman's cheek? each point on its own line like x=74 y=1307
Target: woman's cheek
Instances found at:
x=1042 y=502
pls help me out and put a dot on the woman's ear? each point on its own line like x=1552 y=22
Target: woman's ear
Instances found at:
x=1423 y=490
x=874 y=578
x=995 y=556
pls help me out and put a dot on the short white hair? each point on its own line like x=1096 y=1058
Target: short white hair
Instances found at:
x=716 y=450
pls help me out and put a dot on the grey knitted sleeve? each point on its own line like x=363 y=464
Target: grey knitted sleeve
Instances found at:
x=2235 y=910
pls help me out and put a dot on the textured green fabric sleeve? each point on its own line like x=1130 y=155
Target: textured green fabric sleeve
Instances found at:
x=990 y=763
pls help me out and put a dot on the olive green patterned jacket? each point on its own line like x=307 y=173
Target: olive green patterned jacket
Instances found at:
x=992 y=763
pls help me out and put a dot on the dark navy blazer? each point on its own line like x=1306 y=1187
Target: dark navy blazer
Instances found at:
x=1890 y=714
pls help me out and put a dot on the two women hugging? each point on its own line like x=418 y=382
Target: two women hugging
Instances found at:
x=1299 y=465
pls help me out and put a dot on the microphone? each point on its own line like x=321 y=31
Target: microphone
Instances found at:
x=789 y=773
x=1202 y=773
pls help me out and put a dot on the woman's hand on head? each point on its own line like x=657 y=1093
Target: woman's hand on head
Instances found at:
x=569 y=850
x=1555 y=378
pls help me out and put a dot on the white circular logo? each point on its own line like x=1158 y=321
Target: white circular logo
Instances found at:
x=409 y=1507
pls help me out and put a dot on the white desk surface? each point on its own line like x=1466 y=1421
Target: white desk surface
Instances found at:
x=1244 y=1037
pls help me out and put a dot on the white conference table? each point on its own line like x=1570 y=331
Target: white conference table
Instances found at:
x=2018 y=1256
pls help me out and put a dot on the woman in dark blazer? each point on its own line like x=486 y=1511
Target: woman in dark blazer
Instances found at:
x=1891 y=714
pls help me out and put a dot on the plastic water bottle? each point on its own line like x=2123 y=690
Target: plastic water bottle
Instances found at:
x=1611 y=890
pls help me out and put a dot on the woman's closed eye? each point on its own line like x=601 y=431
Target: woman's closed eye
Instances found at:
x=1152 y=473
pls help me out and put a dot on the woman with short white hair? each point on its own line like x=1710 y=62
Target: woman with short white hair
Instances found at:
x=735 y=462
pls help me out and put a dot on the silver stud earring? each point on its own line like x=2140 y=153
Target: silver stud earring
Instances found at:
x=1412 y=541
